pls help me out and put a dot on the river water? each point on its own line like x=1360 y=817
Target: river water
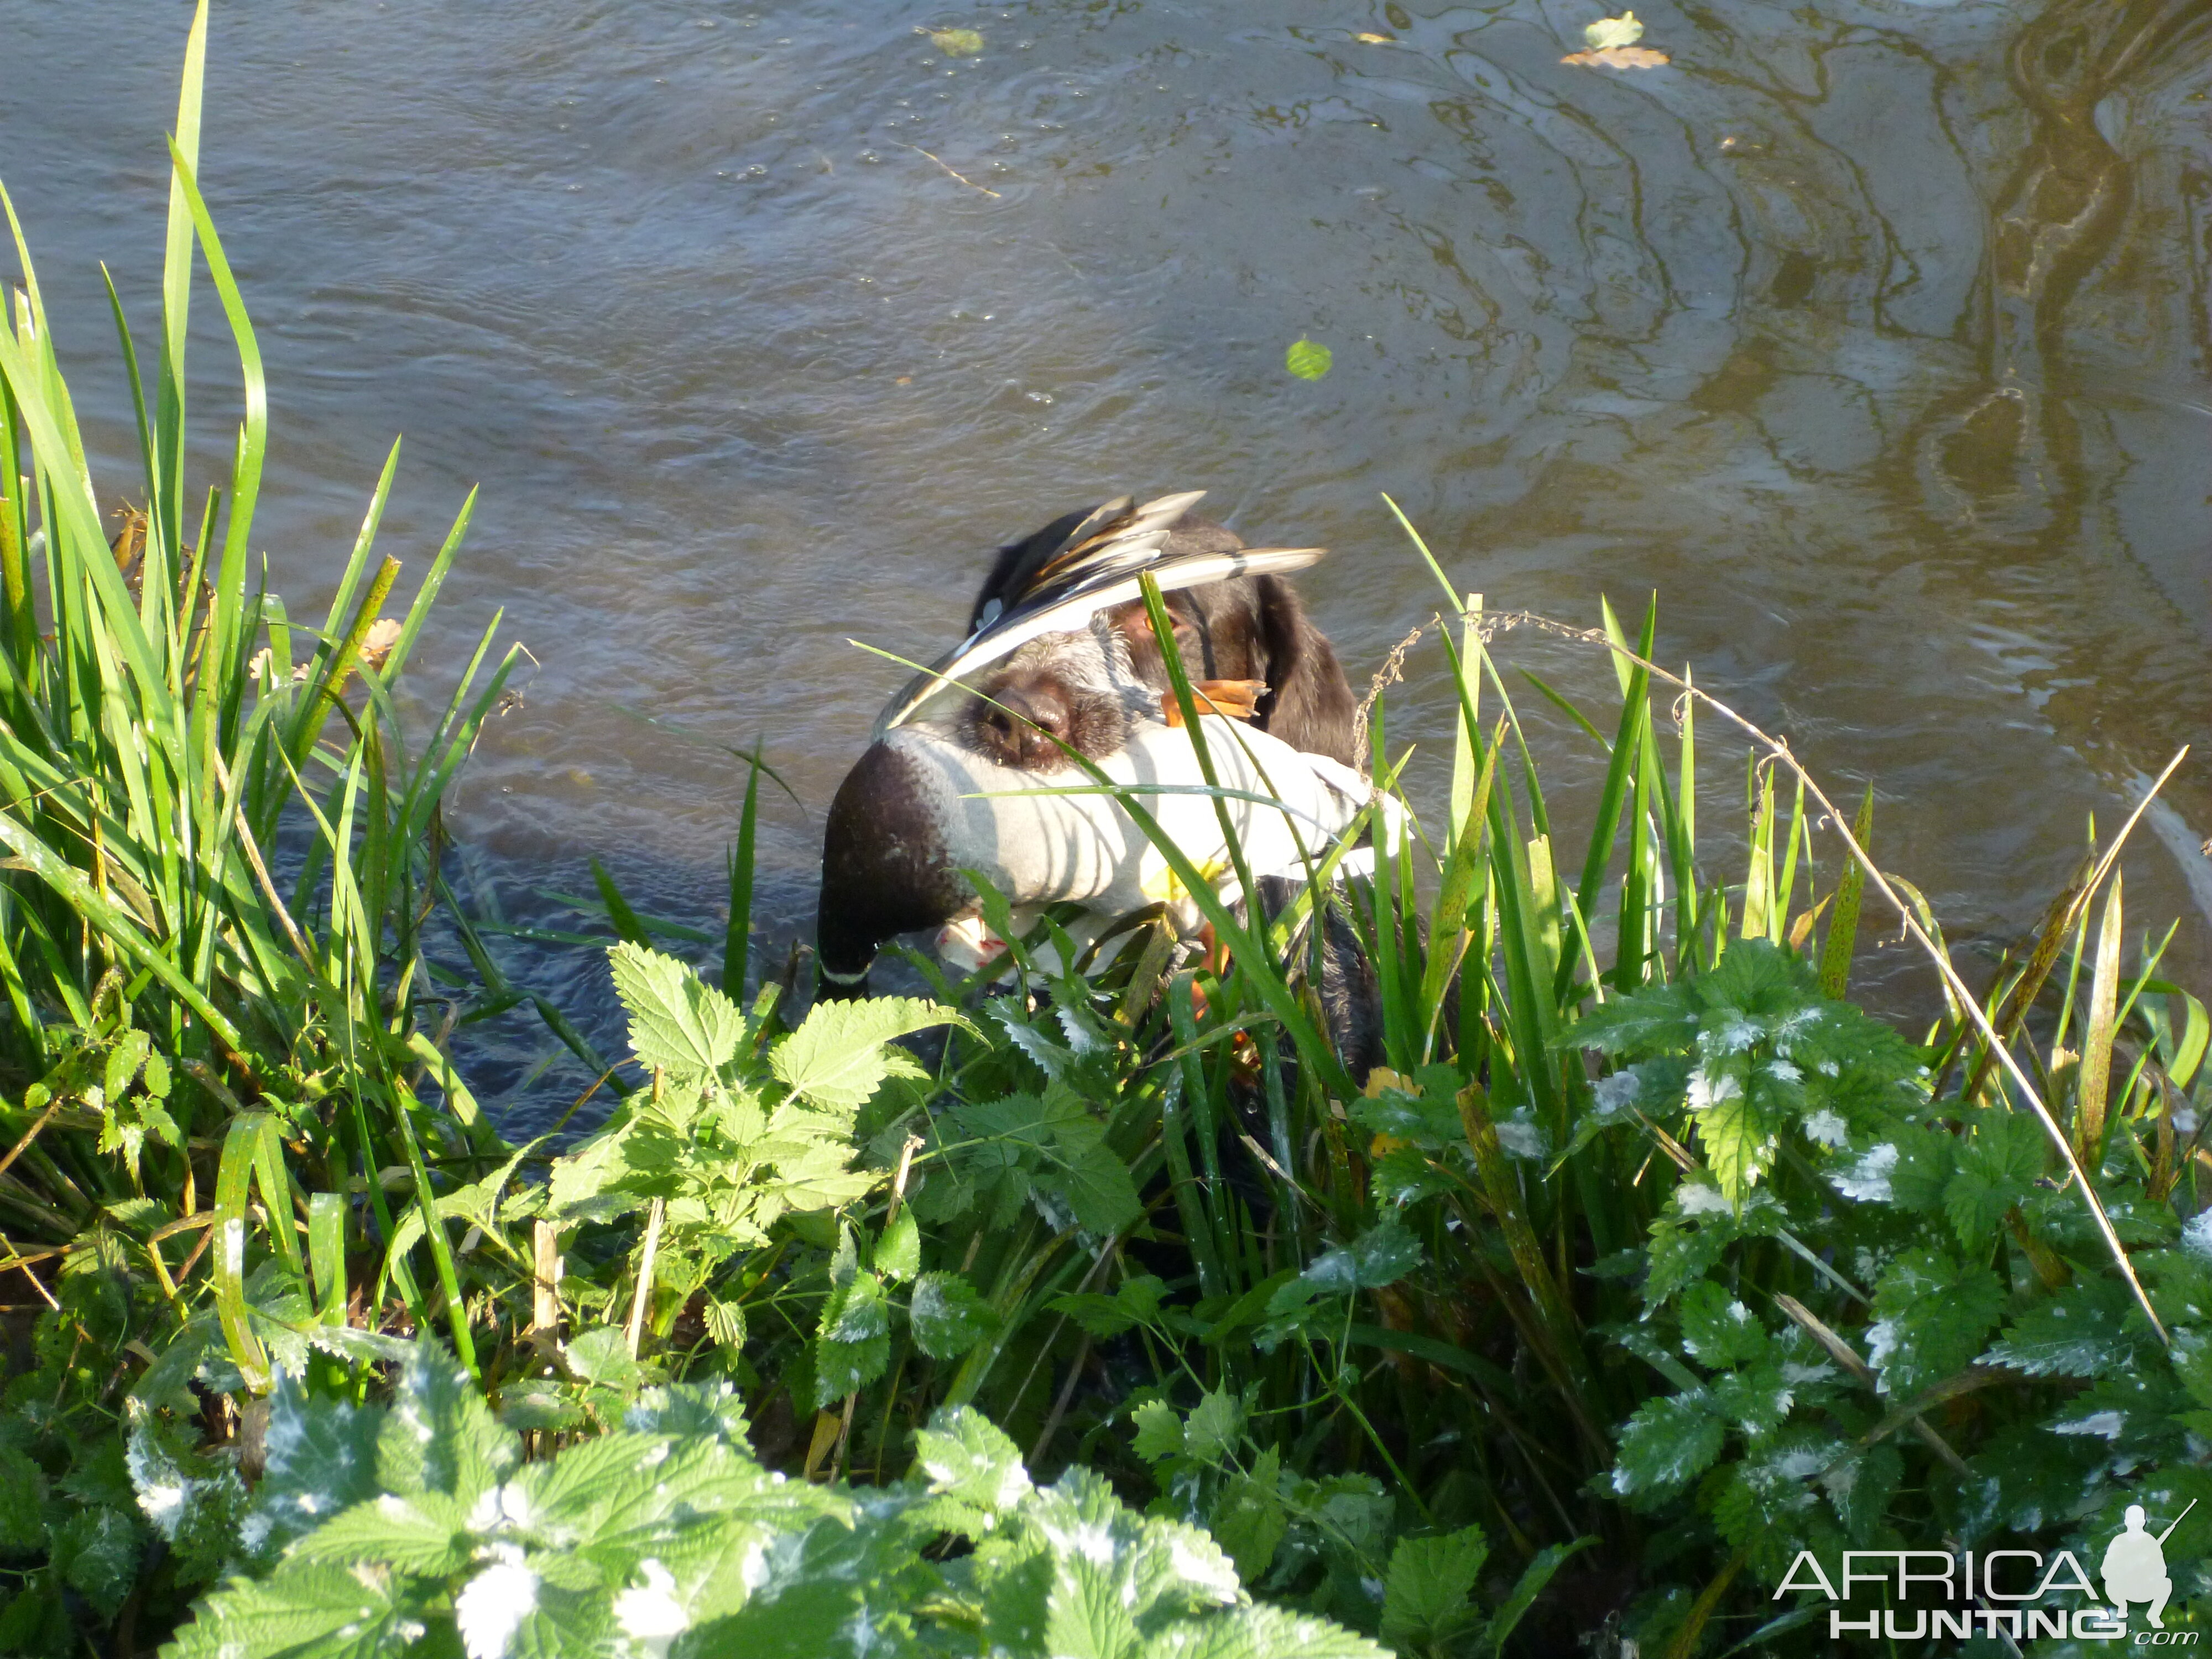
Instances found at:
x=1871 y=335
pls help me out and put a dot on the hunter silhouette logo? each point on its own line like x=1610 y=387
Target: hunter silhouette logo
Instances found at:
x=2135 y=1566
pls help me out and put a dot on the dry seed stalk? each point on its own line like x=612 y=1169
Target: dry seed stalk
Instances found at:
x=1489 y=623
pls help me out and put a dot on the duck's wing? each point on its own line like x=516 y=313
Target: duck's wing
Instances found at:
x=1100 y=563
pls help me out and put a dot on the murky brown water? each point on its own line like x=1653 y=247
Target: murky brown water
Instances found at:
x=1873 y=336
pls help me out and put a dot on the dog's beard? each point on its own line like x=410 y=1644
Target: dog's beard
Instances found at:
x=1080 y=688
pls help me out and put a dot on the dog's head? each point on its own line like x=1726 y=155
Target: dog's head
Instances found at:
x=1080 y=688
x=1248 y=628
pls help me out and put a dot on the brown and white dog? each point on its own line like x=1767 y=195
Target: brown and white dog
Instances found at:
x=1247 y=629
x=1060 y=653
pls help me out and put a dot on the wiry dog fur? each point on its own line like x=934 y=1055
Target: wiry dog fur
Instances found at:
x=1075 y=687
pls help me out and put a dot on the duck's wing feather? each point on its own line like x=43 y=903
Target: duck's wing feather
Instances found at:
x=1101 y=563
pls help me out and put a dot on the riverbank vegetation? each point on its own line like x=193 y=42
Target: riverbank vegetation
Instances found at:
x=1065 y=1314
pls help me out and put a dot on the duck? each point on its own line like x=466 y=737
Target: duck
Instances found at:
x=974 y=764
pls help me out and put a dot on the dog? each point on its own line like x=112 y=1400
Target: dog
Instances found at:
x=1249 y=630
x=1061 y=651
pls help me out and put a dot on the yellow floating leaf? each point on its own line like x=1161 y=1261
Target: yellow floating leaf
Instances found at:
x=1377 y=39
x=966 y=43
x=1619 y=58
x=1621 y=31
x=1308 y=359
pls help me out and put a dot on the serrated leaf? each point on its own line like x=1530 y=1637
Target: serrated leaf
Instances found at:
x=1932 y=1317
x=22 y=1501
x=440 y=1435
x=712 y=1409
x=1248 y=1519
x=1258 y=1632
x=2081 y=1331
x=1670 y=1442
x=898 y=1252
x=835 y=1057
x=330 y=1612
x=1756 y=1400
x=676 y=1020
x=427 y=1533
x=322 y=1458
x=854 y=1346
x=1159 y=1431
x=124 y=1059
x=97 y=1552
x=725 y=1323
x=1998 y=1165
x=1425 y=1599
x=1718 y=1330
x=965 y=1457
x=601 y=1357
x=1210 y=1432
x=948 y=1316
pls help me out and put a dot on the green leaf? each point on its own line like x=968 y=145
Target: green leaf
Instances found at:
x=948 y=1316
x=1932 y=1315
x=1756 y=1399
x=676 y=1020
x=322 y=1458
x=1159 y=1431
x=725 y=1323
x=311 y=1608
x=601 y=1357
x=1424 y=1598
x=957 y=43
x=965 y=1457
x=2083 y=1330
x=1258 y=1632
x=428 y=1534
x=1526 y=1590
x=440 y=1435
x=194 y=1501
x=712 y=1409
x=1998 y=1166
x=1308 y=359
x=1249 y=1520
x=97 y=1552
x=854 y=1346
x=1210 y=1432
x=23 y=1503
x=1671 y=1441
x=898 y=1252
x=124 y=1059
x=1718 y=1330
x=835 y=1057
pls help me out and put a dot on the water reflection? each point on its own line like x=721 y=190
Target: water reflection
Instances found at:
x=1872 y=335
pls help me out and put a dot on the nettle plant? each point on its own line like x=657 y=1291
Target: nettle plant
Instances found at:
x=420 y=1529
x=1881 y=1312
x=741 y=1148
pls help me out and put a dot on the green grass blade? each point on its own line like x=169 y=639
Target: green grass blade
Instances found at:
x=1844 y=919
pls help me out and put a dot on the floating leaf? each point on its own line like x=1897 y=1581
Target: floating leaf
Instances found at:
x=1619 y=57
x=1366 y=38
x=1607 y=32
x=956 y=43
x=1308 y=359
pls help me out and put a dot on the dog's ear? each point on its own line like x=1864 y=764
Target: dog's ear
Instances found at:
x=1307 y=704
